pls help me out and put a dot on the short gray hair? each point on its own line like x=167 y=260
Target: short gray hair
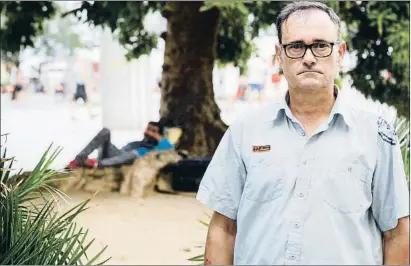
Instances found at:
x=305 y=5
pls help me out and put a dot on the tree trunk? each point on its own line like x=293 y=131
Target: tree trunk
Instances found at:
x=187 y=89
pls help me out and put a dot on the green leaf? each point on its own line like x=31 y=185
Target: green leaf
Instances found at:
x=33 y=232
x=197 y=258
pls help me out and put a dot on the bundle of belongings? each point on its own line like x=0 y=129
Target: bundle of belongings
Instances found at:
x=187 y=173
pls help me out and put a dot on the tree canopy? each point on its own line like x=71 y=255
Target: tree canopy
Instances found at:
x=21 y=22
x=378 y=31
x=239 y=23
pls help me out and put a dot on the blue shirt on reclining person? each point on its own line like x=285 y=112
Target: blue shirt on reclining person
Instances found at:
x=162 y=145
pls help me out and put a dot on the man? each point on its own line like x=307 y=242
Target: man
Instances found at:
x=309 y=179
x=81 y=92
x=110 y=155
x=17 y=82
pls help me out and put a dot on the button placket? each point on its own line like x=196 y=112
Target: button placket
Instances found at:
x=299 y=211
x=297 y=218
x=292 y=258
x=293 y=247
x=302 y=184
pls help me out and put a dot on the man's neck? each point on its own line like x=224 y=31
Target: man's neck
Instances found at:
x=311 y=107
x=311 y=103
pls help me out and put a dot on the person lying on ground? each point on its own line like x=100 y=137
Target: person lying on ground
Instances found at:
x=110 y=155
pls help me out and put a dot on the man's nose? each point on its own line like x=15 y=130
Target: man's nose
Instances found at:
x=309 y=59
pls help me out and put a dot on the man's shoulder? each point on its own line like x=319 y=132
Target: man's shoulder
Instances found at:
x=375 y=121
x=365 y=111
x=362 y=115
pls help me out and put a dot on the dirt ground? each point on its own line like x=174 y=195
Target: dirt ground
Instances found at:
x=164 y=230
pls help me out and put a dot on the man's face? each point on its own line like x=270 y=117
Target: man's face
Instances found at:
x=151 y=129
x=310 y=72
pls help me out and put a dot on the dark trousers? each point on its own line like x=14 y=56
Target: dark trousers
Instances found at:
x=109 y=155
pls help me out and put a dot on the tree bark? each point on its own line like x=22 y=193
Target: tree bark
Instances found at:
x=187 y=96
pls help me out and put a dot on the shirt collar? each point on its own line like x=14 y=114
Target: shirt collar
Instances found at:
x=340 y=108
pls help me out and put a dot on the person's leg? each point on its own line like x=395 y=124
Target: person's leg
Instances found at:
x=87 y=104
x=252 y=89
x=14 y=93
x=125 y=157
x=73 y=106
x=101 y=140
x=260 y=92
x=109 y=150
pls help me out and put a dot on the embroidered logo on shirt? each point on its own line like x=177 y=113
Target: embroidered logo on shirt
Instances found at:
x=261 y=148
x=386 y=131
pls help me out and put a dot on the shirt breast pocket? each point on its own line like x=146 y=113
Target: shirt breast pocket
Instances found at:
x=347 y=189
x=265 y=178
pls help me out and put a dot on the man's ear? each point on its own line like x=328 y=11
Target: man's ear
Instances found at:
x=278 y=54
x=342 y=49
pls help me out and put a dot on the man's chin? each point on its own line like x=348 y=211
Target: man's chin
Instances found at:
x=310 y=85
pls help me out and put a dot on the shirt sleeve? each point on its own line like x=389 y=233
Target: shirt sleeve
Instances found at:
x=390 y=188
x=164 y=144
x=222 y=184
x=141 y=151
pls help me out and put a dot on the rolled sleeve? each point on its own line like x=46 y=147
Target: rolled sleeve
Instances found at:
x=390 y=189
x=222 y=184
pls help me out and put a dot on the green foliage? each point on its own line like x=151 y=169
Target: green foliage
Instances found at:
x=264 y=14
x=234 y=36
x=32 y=231
x=20 y=23
x=125 y=19
x=379 y=32
x=233 y=41
x=200 y=258
x=64 y=36
x=402 y=127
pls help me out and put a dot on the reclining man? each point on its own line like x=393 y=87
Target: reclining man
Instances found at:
x=110 y=155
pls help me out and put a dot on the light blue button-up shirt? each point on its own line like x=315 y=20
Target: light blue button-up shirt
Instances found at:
x=298 y=199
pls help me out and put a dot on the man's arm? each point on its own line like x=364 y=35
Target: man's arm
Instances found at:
x=163 y=143
x=220 y=240
x=397 y=244
x=220 y=189
x=390 y=196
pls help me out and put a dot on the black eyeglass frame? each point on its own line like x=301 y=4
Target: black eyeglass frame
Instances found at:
x=309 y=46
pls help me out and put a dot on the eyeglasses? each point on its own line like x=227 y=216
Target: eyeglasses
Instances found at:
x=318 y=49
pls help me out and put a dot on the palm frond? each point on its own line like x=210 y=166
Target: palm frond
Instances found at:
x=33 y=231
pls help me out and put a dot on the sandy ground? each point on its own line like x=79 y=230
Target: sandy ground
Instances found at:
x=164 y=230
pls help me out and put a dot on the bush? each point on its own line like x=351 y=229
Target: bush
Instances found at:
x=32 y=230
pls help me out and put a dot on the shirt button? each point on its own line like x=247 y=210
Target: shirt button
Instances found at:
x=292 y=257
x=350 y=169
x=301 y=194
x=296 y=225
x=305 y=162
x=302 y=133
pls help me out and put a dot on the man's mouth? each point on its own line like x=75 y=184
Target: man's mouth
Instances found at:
x=309 y=71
